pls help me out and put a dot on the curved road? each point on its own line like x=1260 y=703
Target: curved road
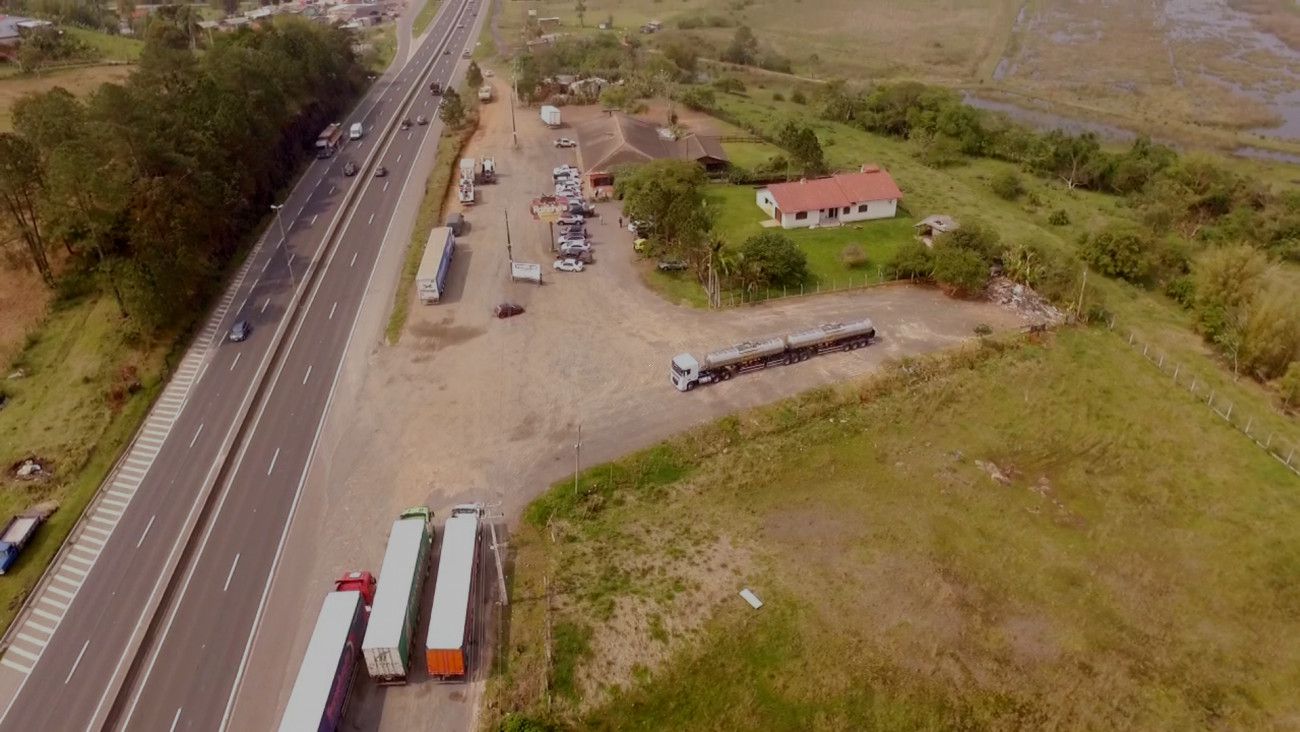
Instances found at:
x=86 y=672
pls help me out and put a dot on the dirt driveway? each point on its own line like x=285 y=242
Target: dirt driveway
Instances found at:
x=470 y=408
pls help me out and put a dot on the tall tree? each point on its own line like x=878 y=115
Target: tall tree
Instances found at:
x=668 y=197
x=20 y=190
x=473 y=76
x=804 y=148
x=581 y=9
x=743 y=48
x=452 y=110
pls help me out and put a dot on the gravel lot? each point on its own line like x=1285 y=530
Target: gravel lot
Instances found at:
x=470 y=408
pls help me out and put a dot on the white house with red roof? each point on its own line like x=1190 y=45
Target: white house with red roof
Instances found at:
x=870 y=193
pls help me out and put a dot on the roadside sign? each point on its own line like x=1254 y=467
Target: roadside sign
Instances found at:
x=549 y=208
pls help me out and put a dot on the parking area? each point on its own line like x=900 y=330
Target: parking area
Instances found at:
x=469 y=407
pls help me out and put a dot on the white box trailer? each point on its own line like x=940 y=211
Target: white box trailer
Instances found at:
x=431 y=279
x=389 y=636
x=451 y=619
x=526 y=271
x=551 y=116
x=320 y=692
x=467 y=168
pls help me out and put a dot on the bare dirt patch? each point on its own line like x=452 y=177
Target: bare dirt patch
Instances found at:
x=23 y=300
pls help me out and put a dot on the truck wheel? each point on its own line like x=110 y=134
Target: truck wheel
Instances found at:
x=726 y=375
x=690 y=385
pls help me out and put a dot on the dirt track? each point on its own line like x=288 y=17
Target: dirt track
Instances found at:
x=470 y=408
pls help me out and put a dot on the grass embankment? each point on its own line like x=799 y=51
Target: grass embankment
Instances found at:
x=1133 y=565
x=383 y=45
x=108 y=47
x=430 y=215
x=425 y=17
x=74 y=410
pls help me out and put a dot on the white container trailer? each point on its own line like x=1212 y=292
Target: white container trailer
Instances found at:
x=320 y=692
x=551 y=116
x=389 y=636
x=451 y=619
x=431 y=279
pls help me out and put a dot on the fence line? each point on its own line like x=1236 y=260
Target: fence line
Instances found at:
x=1280 y=446
x=739 y=298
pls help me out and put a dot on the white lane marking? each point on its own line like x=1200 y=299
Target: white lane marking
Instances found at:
x=274 y=457
x=76 y=662
x=267 y=263
x=110 y=511
x=59 y=591
x=291 y=223
x=254 y=285
x=371 y=220
x=15 y=666
x=44 y=629
x=176 y=719
x=25 y=654
x=119 y=494
x=119 y=505
x=55 y=603
x=231 y=573
x=69 y=580
x=74 y=570
x=195 y=438
x=399 y=158
x=268 y=302
x=306 y=375
x=146 y=531
x=332 y=307
x=31 y=639
x=232 y=363
x=408 y=135
x=331 y=190
x=354 y=259
x=202 y=371
x=385 y=186
x=313 y=219
x=46 y=614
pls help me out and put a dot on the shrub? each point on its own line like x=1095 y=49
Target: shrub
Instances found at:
x=737 y=175
x=778 y=97
x=913 y=260
x=1007 y=185
x=699 y=98
x=516 y=722
x=1288 y=387
x=853 y=256
x=729 y=84
x=960 y=271
x=1119 y=251
x=798 y=97
x=771 y=258
x=1059 y=218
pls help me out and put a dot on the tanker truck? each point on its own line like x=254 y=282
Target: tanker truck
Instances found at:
x=688 y=371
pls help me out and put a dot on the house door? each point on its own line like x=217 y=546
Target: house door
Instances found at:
x=831 y=213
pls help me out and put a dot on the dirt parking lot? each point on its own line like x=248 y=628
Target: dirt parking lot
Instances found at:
x=470 y=408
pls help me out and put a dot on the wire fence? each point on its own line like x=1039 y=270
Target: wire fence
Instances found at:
x=737 y=298
x=1271 y=439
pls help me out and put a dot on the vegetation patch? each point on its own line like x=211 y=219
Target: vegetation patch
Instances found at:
x=957 y=542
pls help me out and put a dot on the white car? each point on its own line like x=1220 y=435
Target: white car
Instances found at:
x=565 y=142
x=487 y=73
x=564 y=170
x=568 y=265
x=575 y=248
x=572 y=220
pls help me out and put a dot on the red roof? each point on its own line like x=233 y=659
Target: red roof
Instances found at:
x=837 y=191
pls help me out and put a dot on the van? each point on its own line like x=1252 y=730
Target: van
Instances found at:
x=355 y=132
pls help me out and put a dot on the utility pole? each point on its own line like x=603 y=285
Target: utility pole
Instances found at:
x=514 y=132
x=509 y=252
x=284 y=239
x=496 y=552
x=577 y=452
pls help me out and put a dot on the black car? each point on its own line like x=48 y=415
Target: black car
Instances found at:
x=381 y=171
x=240 y=331
x=350 y=169
x=406 y=124
x=507 y=310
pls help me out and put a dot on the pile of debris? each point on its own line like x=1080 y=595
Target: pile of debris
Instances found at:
x=1022 y=299
x=30 y=469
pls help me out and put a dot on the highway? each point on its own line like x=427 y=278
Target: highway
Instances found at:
x=87 y=673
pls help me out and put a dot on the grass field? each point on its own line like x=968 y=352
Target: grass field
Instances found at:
x=80 y=81
x=74 y=410
x=109 y=47
x=1112 y=575
x=383 y=42
x=425 y=17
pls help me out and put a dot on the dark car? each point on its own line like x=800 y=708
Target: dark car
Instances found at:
x=381 y=171
x=350 y=169
x=240 y=331
x=435 y=88
x=507 y=310
x=406 y=124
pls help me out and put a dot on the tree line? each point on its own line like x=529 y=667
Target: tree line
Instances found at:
x=146 y=189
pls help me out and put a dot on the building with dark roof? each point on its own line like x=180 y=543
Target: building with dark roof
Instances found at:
x=870 y=193
x=617 y=139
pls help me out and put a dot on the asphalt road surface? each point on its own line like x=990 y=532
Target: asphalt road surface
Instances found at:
x=188 y=672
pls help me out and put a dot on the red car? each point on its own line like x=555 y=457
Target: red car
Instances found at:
x=507 y=310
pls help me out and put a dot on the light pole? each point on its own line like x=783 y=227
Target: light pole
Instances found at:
x=284 y=238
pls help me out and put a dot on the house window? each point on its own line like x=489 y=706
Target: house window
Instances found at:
x=862 y=208
x=846 y=210
x=801 y=216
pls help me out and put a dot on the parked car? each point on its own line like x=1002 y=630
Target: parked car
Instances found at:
x=350 y=169
x=564 y=170
x=573 y=248
x=507 y=310
x=571 y=220
x=640 y=245
x=574 y=231
x=568 y=265
x=421 y=120
x=672 y=265
x=565 y=142
x=240 y=331
x=571 y=239
x=381 y=171
x=586 y=257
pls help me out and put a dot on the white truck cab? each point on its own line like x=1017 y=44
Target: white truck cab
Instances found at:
x=685 y=371
x=356 y=131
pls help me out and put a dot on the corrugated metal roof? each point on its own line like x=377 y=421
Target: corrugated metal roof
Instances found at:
x=836 y=191
x=455 y=573
x=388 y=614
x=316 y=675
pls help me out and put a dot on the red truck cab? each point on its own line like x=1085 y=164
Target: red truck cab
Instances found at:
x=363 y=582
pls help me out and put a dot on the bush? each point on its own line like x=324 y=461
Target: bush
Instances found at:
x=699 y=98
x=798 y=97
x=729 y=84
x=853 y=256
x=973 y=236
x=1119 y=251
x=1007 y=185
x=960 y=271
x=771 y=258
x=517 y=722
x=778 y=97
x=737 y=175
x=1288 y=387
x=1059 y=218
x=913 y=260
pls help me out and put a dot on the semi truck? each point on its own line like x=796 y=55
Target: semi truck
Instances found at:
x=465 y=188
x=431 y=279
x=485 y=93
x=451 y=619
x=391 y=633
x=17 y=533
x=550 y=116
x=320 y=693
x=488 y=172
x=688 y=372
x=327 y=142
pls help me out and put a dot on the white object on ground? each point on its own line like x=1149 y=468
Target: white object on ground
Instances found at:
x=751 y=598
